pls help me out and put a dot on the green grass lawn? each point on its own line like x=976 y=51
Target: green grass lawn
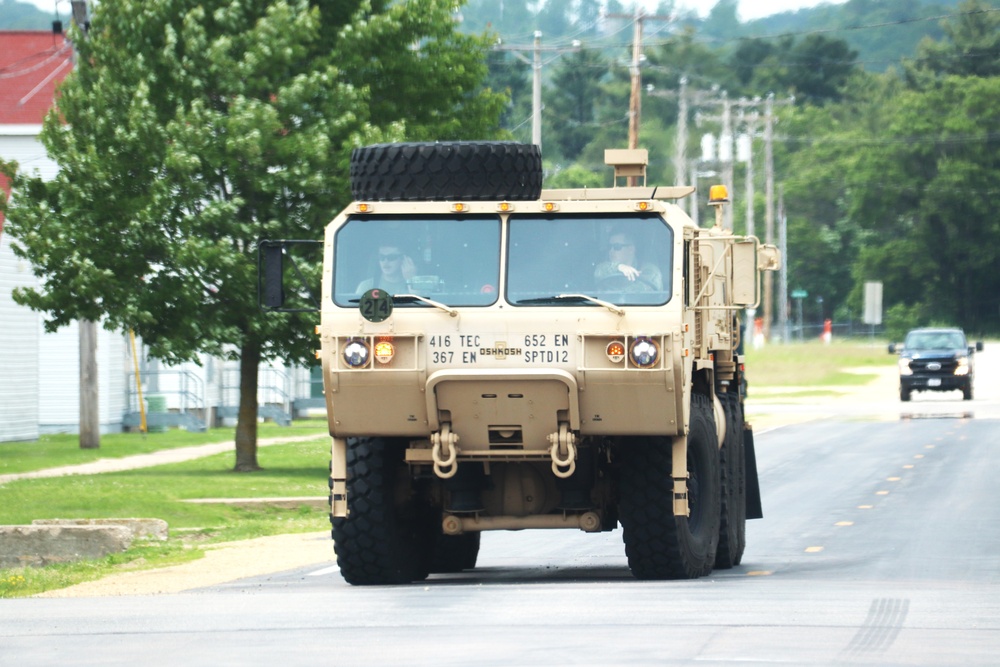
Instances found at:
x=295 y=469
x=52 y=451
x=815 y=365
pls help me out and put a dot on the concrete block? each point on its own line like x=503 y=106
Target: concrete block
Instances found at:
x=142 y=529
x=45 y=545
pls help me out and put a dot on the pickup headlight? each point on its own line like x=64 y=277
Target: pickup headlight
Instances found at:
x=963 y=366
x=904 y=367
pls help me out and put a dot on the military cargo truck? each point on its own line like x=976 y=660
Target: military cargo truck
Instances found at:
x=501 y=357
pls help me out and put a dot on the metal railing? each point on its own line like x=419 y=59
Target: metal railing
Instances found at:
x=177 y=400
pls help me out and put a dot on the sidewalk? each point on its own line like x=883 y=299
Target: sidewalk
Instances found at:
x=148 y=460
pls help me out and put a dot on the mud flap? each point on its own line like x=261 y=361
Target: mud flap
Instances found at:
x=754 y=509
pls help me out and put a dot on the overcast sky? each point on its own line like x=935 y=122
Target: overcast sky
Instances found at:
x=749 y=9
x=755 y=9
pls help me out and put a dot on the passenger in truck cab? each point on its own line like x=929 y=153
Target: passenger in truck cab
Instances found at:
x=624 y=269
x=392 y=269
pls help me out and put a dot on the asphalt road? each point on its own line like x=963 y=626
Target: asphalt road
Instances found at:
x=880 y=546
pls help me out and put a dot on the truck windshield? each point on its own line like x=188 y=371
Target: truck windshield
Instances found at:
x=621 y=259
x=934 y=340
x=453 y=260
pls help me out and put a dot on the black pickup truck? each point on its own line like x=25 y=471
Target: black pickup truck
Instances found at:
x=935 y=360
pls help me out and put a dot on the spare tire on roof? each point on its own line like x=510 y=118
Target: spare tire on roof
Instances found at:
x=469 y=170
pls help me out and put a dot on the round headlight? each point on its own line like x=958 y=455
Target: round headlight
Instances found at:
x=356 y=354
x=384 y=351
x=644 y=352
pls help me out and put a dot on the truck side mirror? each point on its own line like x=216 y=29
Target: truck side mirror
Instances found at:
x=272 y=258
x=746 y=286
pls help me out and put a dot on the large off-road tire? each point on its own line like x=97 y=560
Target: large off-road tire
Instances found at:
x=967 y=392
x=440 y=171
x=904 y=394
x=732 y=473
x=385 y=537
x=454 y=553
x=658 y=544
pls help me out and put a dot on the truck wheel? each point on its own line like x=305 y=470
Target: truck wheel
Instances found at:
x=442 y=171
x=454 y=553
x=967 y=392
x=904 y=394
x=383 y=540
x=732 y=472
x=658 y=544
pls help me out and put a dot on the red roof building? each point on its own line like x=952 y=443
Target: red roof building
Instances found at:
x=32 y=64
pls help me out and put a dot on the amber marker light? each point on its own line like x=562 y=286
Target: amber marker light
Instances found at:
x=718 y=194
x=364 y=208
x=505 y=207
x=459 y=207
x=550 y=206
x=384 y=351
x=642 y=206
x=615 y=351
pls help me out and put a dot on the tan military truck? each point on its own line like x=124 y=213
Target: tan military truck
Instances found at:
x=500 y=357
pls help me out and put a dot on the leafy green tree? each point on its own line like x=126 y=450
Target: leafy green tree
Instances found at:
x=570 y=109
x=191 y=129
x=971 y=46
x=511 y=76
x=930 y=184
x=814 y=69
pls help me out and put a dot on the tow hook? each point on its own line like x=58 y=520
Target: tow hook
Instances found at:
x=563 y=451
x=444 y=452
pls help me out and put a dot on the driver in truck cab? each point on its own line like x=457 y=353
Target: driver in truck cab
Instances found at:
x=622 y=261
x=393 y=272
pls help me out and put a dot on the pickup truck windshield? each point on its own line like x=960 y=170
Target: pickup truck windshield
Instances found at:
x=620 y=259
x=934 y=340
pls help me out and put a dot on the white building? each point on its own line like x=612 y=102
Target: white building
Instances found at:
x=39 y=371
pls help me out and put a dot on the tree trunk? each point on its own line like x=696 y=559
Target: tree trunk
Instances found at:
x=246 y=423
x=90 y=417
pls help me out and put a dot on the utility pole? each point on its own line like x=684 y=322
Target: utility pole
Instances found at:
x=769 y=209
x=536 y=81
x=726 y=154
x=635 y=98
x=750 y=123
x=725 y=147
x=783 y=272
x=90 y=413
x=680 y=139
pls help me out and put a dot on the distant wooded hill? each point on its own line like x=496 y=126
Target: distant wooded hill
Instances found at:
x=560 y=20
